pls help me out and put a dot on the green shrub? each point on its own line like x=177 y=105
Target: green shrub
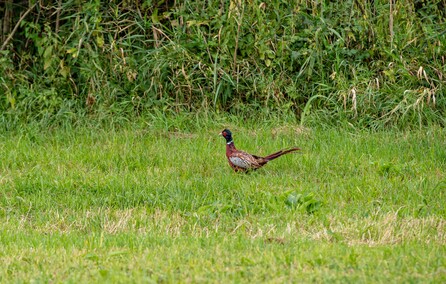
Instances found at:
x=371 y=63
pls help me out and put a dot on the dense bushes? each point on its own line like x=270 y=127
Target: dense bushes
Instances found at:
x=373 y=63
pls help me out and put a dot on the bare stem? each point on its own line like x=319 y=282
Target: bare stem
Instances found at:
x=17 y=26
x=391 y=23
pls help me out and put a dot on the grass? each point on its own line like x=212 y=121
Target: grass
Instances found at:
x=147 y=205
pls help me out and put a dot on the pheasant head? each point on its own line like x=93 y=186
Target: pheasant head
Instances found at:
x=227 y=135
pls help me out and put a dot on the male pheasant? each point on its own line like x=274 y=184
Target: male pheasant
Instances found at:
x=242 y=162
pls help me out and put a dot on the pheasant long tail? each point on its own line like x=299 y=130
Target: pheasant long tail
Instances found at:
x=280 y=153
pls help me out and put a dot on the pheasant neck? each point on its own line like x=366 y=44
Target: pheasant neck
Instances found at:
x=230 y=147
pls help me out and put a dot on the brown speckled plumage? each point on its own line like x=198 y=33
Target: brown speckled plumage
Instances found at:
x=241 y=161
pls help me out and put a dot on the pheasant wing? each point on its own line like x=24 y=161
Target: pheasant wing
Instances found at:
x=244 y=160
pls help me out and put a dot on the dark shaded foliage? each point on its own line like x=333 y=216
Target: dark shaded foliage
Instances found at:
x=370 y=62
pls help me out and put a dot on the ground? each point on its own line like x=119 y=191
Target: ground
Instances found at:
x=150 y=205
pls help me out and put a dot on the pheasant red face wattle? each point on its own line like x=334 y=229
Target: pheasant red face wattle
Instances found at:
x=226 y=133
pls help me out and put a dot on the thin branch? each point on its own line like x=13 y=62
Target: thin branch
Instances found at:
x=239 y=24
x=391 y=22
x=59 y=7
x=17 y=26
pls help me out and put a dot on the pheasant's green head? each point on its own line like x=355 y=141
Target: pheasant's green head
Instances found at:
x=227 y=135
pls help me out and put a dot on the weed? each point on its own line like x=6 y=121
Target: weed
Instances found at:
x=364 y=64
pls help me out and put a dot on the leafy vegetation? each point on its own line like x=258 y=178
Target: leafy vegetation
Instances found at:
x=372 y=63
x=111 y=169
x=144 y=204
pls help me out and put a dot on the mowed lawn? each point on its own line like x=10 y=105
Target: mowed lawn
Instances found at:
x=146 y=205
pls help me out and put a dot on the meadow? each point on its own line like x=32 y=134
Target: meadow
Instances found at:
x=112 y=170
x=145 y=204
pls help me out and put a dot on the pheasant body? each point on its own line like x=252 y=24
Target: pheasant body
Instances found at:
x=241 y=161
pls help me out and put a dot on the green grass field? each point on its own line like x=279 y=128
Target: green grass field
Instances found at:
x=146 y=205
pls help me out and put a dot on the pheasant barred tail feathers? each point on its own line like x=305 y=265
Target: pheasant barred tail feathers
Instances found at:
x=280 y=153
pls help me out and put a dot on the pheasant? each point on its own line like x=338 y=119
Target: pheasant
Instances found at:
x=242 y=162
